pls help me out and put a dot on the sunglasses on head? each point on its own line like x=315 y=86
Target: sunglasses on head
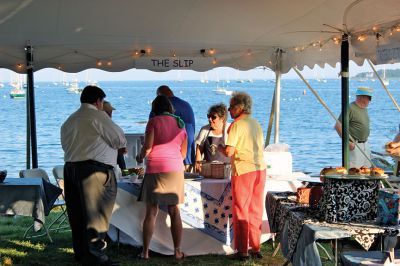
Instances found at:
x=213 y=117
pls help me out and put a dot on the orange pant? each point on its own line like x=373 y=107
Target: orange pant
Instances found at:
x=248 y=199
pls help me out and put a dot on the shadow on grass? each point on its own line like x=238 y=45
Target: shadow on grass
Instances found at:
x=14 y=250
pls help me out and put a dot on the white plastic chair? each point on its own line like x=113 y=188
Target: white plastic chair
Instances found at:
x=58 y=173
x=40 y=173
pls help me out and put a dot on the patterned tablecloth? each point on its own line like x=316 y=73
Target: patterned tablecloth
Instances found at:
x=283 y=210
x=350 y=200
x=206 y=216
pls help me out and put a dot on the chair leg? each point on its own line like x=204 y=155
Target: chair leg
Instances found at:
x=37 y=235
x=64 y=217
x=326 y=252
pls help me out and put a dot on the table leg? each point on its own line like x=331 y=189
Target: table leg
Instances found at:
x=117 y=241
x=336 y=255
x=276 y=249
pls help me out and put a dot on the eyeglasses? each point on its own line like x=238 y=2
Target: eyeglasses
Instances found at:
x=213 y=117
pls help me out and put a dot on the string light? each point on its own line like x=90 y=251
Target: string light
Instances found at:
x=19 y=65
x=249 y=52
x=336 y=40
x=211 y=51
x=362 y=37
x=214 y=62
x=99 y=63
x=109 y=63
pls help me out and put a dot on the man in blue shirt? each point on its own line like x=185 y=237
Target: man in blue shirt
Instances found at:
x=185 y=112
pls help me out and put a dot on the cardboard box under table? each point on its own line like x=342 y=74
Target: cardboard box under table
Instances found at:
x=350 y=198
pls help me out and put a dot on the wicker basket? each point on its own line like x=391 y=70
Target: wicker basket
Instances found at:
x=216 y=170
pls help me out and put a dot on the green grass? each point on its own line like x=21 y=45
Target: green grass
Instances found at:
x=14 y=250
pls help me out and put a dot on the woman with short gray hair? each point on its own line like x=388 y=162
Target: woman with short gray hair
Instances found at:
x=242 y=99
x=245 y=144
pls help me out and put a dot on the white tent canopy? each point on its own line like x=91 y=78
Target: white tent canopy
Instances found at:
x=160 y=35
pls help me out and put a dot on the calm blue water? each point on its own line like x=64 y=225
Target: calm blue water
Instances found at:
x=305 y=125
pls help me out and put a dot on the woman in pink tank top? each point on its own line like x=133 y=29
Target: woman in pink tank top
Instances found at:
x=165 y=148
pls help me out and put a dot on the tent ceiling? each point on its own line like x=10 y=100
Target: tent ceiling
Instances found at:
x=117 y=35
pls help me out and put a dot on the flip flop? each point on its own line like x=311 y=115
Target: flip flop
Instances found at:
x=180 y=258
x=140 y=257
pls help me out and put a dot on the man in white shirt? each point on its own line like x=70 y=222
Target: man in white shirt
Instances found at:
x=90 y=140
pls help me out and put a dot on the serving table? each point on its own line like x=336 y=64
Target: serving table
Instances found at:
x=206 y=216
x=299 y=226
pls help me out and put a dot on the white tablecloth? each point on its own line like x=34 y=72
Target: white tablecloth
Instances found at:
x=206 y=216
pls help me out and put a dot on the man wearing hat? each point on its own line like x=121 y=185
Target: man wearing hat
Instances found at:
x=108 y=108
x=358 y=128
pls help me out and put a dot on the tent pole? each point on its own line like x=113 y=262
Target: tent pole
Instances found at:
x=271 y=120
x=28 y=134
x=277 y=104
x=277 y=95
x=344 y=58
x=31 y=99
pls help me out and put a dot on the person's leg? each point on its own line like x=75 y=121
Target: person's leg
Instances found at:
x=176 y=229
x=242 y=187
x=148 y=227
x=99 y=192
x=73 y=201
x=256 y=211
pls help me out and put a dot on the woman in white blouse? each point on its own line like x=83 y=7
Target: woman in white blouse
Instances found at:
x=211 y=136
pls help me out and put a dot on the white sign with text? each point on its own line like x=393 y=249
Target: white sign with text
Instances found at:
x=169 y=63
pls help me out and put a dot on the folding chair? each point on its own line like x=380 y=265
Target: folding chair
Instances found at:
x=40 y=173
x=58 y=173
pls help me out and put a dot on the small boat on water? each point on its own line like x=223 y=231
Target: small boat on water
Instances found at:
x=17 y=93
x=222 y=90
x=74 y=88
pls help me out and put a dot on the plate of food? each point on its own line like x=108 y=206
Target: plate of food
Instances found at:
x=333 y=171
x=353 y=173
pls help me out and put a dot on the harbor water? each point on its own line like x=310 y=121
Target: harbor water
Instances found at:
x=304 y=124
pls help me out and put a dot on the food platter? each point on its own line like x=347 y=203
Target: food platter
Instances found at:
x=355 y=177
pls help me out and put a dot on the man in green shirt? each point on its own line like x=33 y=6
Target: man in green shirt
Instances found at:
x=358 y=128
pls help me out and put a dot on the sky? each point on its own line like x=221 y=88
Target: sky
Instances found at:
x=54 y=75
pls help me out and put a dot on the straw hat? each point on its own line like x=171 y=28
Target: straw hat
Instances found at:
x=108 y=107
x=364 y=91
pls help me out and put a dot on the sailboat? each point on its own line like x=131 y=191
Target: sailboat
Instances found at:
x=384 y=79
x=18 y=91
x=222 y=90
x=74 y=87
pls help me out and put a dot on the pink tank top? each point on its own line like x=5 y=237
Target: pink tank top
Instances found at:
x=165 y=155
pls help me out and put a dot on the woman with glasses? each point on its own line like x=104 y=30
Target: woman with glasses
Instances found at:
x=245 y=144
x=211 y=136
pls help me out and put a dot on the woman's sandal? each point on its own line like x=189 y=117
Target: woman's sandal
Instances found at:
x=182 y=255
x=141 y=257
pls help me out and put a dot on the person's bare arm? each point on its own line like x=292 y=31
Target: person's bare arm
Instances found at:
x=184 y=148
x=147 y=146
x=338 y=127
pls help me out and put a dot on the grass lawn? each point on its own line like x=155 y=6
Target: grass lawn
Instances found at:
x=14 y=250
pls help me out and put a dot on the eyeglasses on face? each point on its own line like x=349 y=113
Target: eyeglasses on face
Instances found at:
x=213 y=117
